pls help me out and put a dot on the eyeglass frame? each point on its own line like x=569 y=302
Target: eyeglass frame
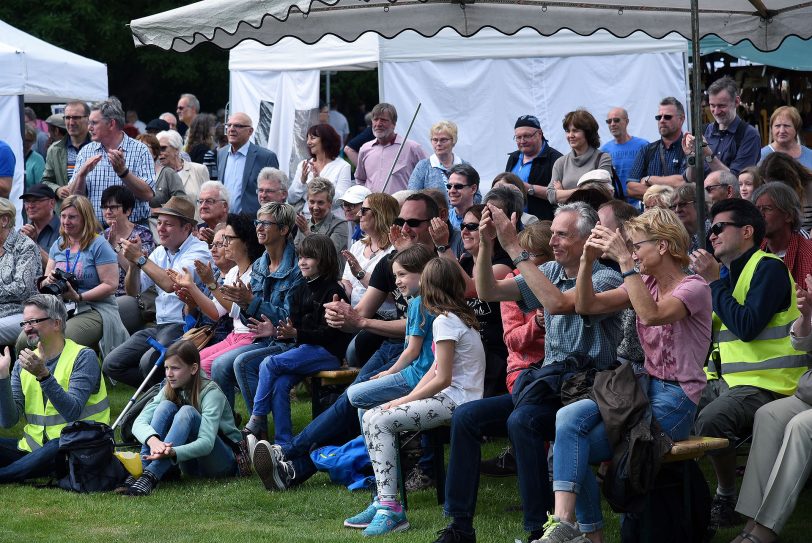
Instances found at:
x=32 y=322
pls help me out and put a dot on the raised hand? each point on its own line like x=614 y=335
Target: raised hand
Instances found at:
x=261 y=328
x=285 y=330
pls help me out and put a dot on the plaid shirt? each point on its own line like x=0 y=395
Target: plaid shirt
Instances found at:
x=137 y=158
x=595 y=335
x=662 y=161
x=798 y=257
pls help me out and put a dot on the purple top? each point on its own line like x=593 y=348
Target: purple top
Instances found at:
x=375 y=160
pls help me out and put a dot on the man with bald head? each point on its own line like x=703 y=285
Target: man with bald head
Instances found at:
x=170 y=119
x=624 y=147
x=240 y=162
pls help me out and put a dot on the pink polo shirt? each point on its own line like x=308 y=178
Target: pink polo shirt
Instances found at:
x=375 y=160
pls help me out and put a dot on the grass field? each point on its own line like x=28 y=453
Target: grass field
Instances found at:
x=241 y=510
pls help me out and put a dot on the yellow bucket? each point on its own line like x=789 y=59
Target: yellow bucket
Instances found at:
x=131 y=461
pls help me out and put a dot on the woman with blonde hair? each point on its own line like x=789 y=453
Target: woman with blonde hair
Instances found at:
x=83 y=268
x=785 y=129
x=20 y=265
x=432 y=172
x=658 y=196
x=674 y=324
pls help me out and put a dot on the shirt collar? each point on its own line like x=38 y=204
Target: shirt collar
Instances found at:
x=398 y=141
x=242 y=150
x=435 y=162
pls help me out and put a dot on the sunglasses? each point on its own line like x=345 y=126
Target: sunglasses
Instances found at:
x=719 y=227
x=470 y=226
x=711 y=188
x=666 y=117
x=365 y=210
x=613 y=120
x=680 y=205
x=412 y=223
x=455 y=186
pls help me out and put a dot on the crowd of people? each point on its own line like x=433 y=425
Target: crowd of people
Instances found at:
x=453 y=301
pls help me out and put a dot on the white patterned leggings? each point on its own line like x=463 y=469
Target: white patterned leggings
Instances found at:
x=380 y=429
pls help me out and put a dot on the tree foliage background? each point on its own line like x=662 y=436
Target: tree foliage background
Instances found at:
x=148 y=79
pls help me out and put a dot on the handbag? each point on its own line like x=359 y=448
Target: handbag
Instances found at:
x=200 y=335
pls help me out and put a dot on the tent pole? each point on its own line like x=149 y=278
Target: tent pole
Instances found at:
x=392 y=169
x=696 y=125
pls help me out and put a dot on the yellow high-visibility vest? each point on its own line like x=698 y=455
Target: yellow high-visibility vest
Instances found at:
x=42 y=417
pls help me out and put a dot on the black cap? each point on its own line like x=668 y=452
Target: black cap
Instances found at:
x=158 y=125
x=529 y=121
x=40 y=190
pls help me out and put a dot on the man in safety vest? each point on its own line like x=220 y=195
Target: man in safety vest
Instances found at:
x=53 y=383
x=754 y=305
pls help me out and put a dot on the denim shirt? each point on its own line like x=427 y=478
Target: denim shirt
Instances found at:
x=272 y=290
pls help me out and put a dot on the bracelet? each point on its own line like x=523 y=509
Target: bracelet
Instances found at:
x=629 y=273
x=124 y=174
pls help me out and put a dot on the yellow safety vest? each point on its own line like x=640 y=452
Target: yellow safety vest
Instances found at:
x=768 y=361
x=42 y=417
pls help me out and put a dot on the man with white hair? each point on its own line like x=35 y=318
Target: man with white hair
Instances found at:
x=272 y=186
x=113 y=158
x=170 y=119
x=212 y=206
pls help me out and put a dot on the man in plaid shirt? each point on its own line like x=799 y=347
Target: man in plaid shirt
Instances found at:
x=113 y=158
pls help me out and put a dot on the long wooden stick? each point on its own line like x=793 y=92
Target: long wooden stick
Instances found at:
x=392 y=169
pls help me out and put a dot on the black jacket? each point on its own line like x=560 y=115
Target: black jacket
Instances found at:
x=307 y=316
x=540 y=172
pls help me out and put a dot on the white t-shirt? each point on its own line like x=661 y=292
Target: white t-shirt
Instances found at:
x=231 y=280
x=468 y=370
x=338 y=172
x=387 y=309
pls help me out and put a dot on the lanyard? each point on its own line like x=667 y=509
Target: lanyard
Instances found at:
x=68 y=267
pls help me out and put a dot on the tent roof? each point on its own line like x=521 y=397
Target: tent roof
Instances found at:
x=46 y=73
x=332 y=53
x=228 y=22
x=794 y=53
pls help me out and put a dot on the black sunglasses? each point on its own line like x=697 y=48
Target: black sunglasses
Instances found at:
x=455 y=186
x=470 y=226
x=613 y=120
x=720 y=226
x=413 y=223
x=666 y=117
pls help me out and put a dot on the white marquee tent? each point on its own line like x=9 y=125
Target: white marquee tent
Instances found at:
x=35 y=71
x=483 y=83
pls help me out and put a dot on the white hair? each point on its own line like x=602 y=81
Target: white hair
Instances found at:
x=218 y=186
x=173 y=138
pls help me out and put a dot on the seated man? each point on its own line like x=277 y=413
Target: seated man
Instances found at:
x=39 y=202
x=58 y=380
x=131 y=361
x=212 y=206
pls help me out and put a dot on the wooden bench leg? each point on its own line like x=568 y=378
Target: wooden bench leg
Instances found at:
x=315 y=397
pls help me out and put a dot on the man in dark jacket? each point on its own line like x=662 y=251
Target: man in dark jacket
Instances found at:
x=533 y=163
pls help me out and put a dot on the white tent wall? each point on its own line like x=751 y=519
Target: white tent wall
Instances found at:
x=482 y=83
x=10 y=133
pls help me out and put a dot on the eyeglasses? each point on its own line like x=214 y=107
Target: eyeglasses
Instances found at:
x=180 y=108
x=268 y=191
x=237 y=126
x=111 y=207
x=470 y=226
x=227 y=240
x=455 y=186
x=265 y=224
x=526 y=138
x=209 y=201
x=765 y=209
x=164 y=147
x=218 y=245
x=440 y=140
x=33 y=201
x=348 y=206
x=69 y=118
x=412 y=223
x=719 y=227
x=94 y=123
x=32 y=322
x=666 y=117
x=711 y=188
x=680 y=205
x=615 y=120
x=636 y=246
x=365 y=210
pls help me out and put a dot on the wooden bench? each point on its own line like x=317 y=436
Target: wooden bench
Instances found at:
x=342 y=376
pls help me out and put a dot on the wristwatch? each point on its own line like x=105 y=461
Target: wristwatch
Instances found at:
x=524 y=255
x=141 y=261
x=709 y=158
x=441 y=248
x=212 y=286
x=360 y=274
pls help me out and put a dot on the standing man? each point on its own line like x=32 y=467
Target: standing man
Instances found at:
x=661 y=162
x=113 y=158
x=533 y=163
x=240 y=162
x=463 y=184
x=187 y=109
x=624 y=147
x=39 y=202
x=732 y=144
x=60 y=160
x=376 y=157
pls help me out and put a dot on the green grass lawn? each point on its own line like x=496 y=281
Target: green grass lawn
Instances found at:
x=241 y=509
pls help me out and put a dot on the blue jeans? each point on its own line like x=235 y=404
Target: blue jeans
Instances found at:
x=339 y=423
x=375 y=392
x=580 y=440
x=224 y=370
x=17 y=465
x=179 y=426
x=278 y=374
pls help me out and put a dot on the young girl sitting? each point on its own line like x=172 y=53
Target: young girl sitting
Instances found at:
x=455 y=378
x=318 y=346
x=182 y=425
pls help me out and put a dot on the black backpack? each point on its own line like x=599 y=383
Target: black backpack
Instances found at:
x=126 y=424
x=85 y=461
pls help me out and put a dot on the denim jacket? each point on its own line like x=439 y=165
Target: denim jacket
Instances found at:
x=272 y=290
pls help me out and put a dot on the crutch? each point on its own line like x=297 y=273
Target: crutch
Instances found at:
x=161 y=349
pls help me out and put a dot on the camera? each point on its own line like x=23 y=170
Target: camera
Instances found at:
x=59 y=284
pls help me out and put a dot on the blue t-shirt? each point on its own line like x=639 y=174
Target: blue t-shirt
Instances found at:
x=623 y=155
x=805 y=159
x=7 y=160
x=84 y=264
x=418 y=323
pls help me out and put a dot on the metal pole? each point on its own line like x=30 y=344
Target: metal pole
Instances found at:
x=696 y=116
x=392 y=169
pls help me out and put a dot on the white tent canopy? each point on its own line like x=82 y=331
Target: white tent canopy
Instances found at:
x=37 y=71
x=483 y=83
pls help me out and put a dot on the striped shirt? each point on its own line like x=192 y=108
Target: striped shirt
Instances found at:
x=137 y=158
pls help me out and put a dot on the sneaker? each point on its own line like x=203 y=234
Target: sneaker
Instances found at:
x=556 y=531
x=251 y=442
x=503 y=465
x=271 y=467
x=386 y=521
x=723 y=513
x=362 y=519
x=449 y=534
x=417 y=480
